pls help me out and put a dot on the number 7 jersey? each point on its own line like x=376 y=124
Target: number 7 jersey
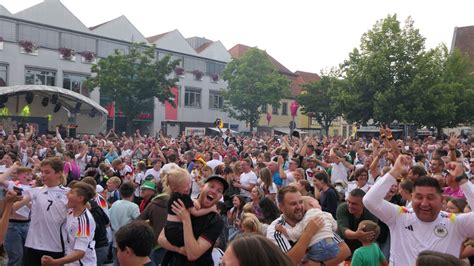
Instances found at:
x=48 y=212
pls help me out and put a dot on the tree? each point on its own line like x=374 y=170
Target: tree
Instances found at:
x=132 y=80
x=318 y=100
x=253 y=82
x=381 y=72
x=446 y=100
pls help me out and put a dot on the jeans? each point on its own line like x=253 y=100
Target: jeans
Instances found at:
x=157 y=255
x=114 y=254
x=15 y=242
x=323 y=250
x=101 y=254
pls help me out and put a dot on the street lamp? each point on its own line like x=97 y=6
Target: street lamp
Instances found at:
x=294 y=111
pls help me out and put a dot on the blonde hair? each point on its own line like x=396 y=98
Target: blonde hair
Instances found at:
x=247 y=207
x=115 y=180
x=164 y=176
x=250 y=223
x=174 y=178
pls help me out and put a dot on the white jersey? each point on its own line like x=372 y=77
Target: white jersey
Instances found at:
x=154 y=173
x=247 y=179
x=24 y=211
x=48 y=213
x=409 y=235
x=79 y=235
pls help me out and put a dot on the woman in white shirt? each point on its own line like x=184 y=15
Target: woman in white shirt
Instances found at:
x=361 y=176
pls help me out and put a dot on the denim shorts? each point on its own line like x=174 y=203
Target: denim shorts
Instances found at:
x=323 y=250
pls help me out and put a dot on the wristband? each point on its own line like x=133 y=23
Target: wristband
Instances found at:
x=461 y=177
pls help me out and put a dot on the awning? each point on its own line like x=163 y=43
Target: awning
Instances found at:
x=223 y=130
x=374 y=130
x=286 y=130
x=67 y=98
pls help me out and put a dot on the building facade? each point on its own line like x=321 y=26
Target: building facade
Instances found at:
x=51 y=30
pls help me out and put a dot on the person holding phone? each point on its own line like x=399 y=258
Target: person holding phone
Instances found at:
x=20 y=219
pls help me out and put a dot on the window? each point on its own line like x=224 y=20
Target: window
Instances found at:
x=8 y=30
x=3 y=75
x=44 y=37
x=216 y=101
x=192 y=97
x=76 y=83
x=77 y=42
x=274 y=110
x=284 y=109
x=264 y=108
x=107 y=48
x=214 y=68
x=40 y=77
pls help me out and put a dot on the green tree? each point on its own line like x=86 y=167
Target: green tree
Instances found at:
x=446 y=100
x=380 y=73
x=253 y=82
x=318 y=99
x=132 y=80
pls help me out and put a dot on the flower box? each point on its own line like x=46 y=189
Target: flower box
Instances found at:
x=198 y=74
x=215 y=77
x=28 y=47
x=67 y=54
x=88 y=57
x=179 y=71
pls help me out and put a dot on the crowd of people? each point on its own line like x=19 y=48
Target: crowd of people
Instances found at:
x=235 y=200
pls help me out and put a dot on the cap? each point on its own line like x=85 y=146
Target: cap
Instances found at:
x=200 y=159
x=149 y=185
x=220 y=179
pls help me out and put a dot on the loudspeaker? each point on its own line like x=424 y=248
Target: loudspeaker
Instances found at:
x=29 y=97
x=45 y=101
x=78 y=107
x=57 y=107
x=54 y=99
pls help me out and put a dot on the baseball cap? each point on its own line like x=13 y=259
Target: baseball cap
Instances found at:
x=149 y=185
x=220 y=179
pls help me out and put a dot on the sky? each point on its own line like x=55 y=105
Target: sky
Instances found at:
x=305 y=35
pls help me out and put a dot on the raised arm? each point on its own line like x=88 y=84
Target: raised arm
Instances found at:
x=374 y=199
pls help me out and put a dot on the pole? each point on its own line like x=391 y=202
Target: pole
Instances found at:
x=113 y=116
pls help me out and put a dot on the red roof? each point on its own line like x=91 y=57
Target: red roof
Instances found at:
x=155 y=38
x=203 y=47
x=464 y=40
x=303 y=78
x=239 y=49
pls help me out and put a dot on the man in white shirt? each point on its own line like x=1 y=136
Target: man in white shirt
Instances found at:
x=248 y=179
x=339 y=166
x=426 y=227
x=82 y=159
x=155 y=171
x=215 y=161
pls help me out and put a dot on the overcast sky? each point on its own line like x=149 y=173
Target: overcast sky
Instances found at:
x=305 y=35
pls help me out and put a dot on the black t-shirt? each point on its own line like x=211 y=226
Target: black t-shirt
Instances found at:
x=186 y=199
x=209 y=227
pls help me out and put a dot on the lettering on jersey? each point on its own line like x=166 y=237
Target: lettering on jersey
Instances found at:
x=441 y=231
x=410 y=228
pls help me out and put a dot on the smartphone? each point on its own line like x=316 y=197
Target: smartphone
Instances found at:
x=19 y=191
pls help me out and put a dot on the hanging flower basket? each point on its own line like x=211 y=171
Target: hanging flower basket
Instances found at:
x=88 y=57
x=198 y=74
x=28 y=47
x=179 y=71
x=215 y=77
x=67 y=54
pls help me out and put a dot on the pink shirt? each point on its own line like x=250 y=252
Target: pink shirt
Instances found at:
x=454 y=193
